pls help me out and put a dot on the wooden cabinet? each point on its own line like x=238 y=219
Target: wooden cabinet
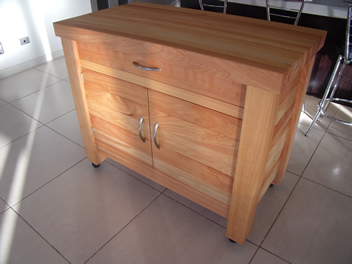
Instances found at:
x=225 y=92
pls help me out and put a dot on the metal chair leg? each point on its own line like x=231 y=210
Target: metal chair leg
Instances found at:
x=343 y=65
x=201 y=5
x=321 y=105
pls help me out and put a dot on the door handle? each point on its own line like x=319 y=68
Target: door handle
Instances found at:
x=155 y=132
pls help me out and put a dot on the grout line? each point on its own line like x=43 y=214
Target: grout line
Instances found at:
x=255 y=253
x=26 y=114
x=8 y=206
x=136 y=177
x=276 y=255
x=40 y=125
x=49 y=181
x=49 y=73
x=35 y=91
x=64 y=136
x=327 y=187
x=122 y=228
x=282 y=208
x=9 y=143
x=311 y=157
x=193 y=209
x=39 y=234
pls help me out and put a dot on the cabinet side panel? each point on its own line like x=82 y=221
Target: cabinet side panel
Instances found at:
x=296 y=107
x=74 y=71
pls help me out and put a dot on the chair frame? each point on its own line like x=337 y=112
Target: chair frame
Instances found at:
x=297 y=11
x=213 y=6
x=340 y=65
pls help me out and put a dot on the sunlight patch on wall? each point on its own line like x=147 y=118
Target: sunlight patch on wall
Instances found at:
x=38 y=8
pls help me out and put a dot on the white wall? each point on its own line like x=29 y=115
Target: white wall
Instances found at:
x=33 y=18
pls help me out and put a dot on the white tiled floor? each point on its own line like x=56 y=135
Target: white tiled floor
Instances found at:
x=56 y=208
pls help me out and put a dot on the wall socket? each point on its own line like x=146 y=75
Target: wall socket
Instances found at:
x=25 y=41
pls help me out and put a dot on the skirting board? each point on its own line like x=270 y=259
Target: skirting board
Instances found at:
x=29 y=64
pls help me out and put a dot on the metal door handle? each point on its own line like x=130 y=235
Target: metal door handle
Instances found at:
x=155 y=131
x=145 y=68
x=140 y=129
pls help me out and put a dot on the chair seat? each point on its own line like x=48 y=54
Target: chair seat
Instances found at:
x=340 y=48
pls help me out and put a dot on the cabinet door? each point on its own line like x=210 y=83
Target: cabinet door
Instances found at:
x=198 y=146
x=116 y=108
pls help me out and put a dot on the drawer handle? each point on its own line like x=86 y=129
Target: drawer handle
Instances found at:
x=145 y=68
x=140 y=129
x=155 y=131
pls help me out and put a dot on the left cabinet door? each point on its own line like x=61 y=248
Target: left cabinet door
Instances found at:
x=119 y=115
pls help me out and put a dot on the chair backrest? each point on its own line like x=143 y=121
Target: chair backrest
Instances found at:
x=348 y=35
x=223 y=7
x=293 y=14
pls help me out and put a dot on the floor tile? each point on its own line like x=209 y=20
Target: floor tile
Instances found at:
x=267 y=210
x=48 y=104
x=167 y=232
x=147 y=181
x=83 y=208
x=331 y=164
x=3 y=206
x=17 y=86
x=33 y=160
x=303 y=149
x=197 y=208
x=19 y=243
x=314 y=227
x=2 y=103
x=310 y=110
x=56 y=67
x=68 y=126
x=14 y=124
x=335 y=128
x=264 y=257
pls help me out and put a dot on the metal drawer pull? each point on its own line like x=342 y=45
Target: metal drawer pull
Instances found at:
x=145 y=68
x=155 y=131
x=140 y=129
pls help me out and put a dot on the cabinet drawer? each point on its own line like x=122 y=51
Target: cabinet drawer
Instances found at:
x=183 y=69
x=115 y=109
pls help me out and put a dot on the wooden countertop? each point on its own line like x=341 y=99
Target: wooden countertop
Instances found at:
x=264 y=46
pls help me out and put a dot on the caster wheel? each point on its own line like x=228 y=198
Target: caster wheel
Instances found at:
x=271 y=185
x=95 y=166
x=232 y=241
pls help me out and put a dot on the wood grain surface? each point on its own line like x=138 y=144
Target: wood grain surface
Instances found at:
x=206 y=101
x=79 y=97
x=252 y=52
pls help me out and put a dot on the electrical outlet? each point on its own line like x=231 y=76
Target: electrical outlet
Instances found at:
x=24 y=41
x=1 y=49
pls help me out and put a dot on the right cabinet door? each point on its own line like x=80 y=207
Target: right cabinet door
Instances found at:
x=195 y=145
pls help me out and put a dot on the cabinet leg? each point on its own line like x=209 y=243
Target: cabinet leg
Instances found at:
x=271 y=185
x=95 y=165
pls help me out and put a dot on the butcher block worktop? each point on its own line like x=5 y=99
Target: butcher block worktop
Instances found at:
x=260 y=46
x=205 y=104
